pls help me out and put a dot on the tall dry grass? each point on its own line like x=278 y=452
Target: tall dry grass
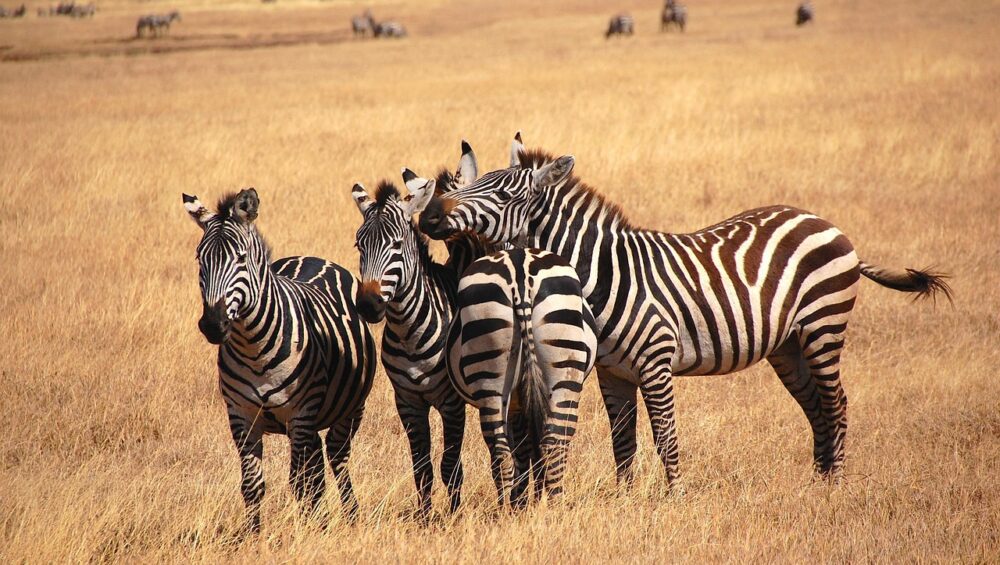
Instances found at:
x=882 y=118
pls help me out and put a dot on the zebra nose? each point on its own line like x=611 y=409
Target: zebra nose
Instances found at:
x=214 y=323
x=371 y=305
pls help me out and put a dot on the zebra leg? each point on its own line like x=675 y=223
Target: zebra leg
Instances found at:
x=658 y=395
x=821 y=352
x=453 y=424
x=789 y=362
x=414 y=412
x=501 y=462
x=338 y=449
x=306 y=474
x=559 y=431
x=250 y=445
x=620 y=402
x=522 y=451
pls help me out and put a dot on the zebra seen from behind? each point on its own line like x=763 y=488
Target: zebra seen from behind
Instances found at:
x=363 y=25
x=673 y=13
x=773 y=283
x=621 y=24
x=294 y=357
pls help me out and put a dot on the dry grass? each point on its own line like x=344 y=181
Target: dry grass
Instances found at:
x=882 y=118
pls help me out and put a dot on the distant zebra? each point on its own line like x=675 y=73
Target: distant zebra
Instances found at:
x=390 y=29
x=294 y=356
x=804 y=14
x=83 y=10
x=622 y=24
x=673 y=13
x=156 y=24
x=774 y=283
x=363 y=25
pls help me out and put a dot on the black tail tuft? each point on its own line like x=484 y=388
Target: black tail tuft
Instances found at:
x=925 y=283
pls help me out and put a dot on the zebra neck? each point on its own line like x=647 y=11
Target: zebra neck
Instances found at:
x=420 y=303
x=266 y=316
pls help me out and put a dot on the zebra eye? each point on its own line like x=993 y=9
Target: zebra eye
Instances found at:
x=242 y=257
x=503 y=195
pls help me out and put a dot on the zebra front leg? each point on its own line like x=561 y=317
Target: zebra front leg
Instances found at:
x=658 y=395
x=620 y=402
x=338 y=449
x=306 y=474
x=413 y=413
x=250 y=446
x=501 y=462
x=453 y=422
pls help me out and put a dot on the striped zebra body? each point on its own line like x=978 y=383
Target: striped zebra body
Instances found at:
x=294 y=356
x=774 y=283
x=621 y=24
x=520 y=346
x=390 y=29
x=673 y=13
x=363 y=25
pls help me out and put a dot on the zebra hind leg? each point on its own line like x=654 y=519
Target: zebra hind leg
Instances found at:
x=501 y=461
x=306 y=474
x=822 y=349
x=338 y=449
x=522 y=449
x=453 y=424
x=620 y=402
x=790 y=364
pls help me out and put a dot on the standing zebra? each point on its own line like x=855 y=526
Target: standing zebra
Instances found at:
x=621 y=24
x=673 y=13
x=390 y=29
x=773 y=283
x=363 y=25
x=294 y=357
x=804 y=14
x=156 y=24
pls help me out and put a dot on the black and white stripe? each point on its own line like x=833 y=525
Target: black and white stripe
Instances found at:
x=294 y=356
x=621 y=24
x=774 y=283
x=673 y=13
x=520 y=346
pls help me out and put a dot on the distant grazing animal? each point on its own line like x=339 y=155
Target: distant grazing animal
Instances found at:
x=622 y=24
x=804 y=14
x=390 y=29
x=15 y=13
x=363 y=25
x=294 y=357
x=83 y=10
x=774 y=283
x=156 y=24
x=673 y=13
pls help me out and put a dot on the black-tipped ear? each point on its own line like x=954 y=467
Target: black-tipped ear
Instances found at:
x=408 y=175
x=517 y=137
x=188 y=199
x=466 y=148
x=247 y=204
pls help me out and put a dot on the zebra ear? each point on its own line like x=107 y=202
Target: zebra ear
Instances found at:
x=553 y=173
x=246 y=205
x=516 y=148
x=412 y=181
x=197 y=210
x=419 y=196
x=361 y=198
x=468 y=168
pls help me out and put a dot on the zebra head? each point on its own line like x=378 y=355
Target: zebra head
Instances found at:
x=497 y=205
x=232 y=260
x=387 y=242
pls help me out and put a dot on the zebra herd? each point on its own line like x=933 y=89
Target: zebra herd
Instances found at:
x=674 y=14
x=545 y=281
x=365 y=25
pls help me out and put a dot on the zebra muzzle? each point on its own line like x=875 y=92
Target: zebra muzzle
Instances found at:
x=214 y=323
x=433 y=220
x=371 y=305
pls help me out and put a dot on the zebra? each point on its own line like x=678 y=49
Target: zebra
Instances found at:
x=804 y=14
x=673 y=13
x=774 y=283
x=390 y=29
x=83 y=10
x=294 y=356
x=621 y=24
x=363 y=25
x=156 y=24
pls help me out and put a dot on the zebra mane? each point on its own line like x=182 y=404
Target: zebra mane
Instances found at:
x=225 y=212
x=537 y=158
x=384 y=192
x=444 y=182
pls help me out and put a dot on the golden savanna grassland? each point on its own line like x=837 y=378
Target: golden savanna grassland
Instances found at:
x=882 y=117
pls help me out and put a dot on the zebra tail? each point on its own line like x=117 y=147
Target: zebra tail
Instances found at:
x=531 y=386
x=925 y=283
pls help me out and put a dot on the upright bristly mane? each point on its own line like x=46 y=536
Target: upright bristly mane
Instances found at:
x=537 y=158
x=385 y=191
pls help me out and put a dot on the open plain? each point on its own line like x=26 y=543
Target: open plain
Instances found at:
x=881 y=117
